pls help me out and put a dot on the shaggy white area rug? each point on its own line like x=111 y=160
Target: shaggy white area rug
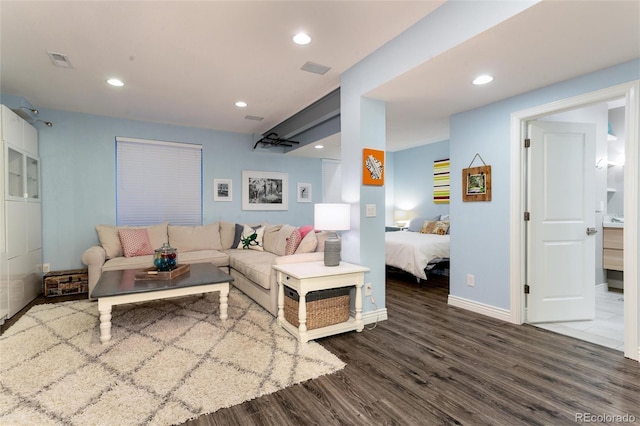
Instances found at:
x=168 y=361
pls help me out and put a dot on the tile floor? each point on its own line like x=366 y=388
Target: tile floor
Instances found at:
x=607 y=329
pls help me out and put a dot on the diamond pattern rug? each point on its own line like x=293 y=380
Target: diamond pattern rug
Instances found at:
x=168 y=361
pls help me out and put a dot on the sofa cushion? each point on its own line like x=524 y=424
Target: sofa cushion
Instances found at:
x=254 y=265
x=135 y=242
x=193 y=238
x=216 y=257
x=280 y=245
x=119 y=263
x=322 y=237
x=308 y=244
x=270 y=235
x=110 y=239
x=227 y=232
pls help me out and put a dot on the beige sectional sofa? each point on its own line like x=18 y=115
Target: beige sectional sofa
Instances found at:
x=246 y=252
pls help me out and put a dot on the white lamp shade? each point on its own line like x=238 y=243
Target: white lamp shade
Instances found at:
x=332 y=217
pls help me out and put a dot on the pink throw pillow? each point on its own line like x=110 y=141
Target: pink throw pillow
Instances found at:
x=135 y=242
x=304 y=230
x=292 y=243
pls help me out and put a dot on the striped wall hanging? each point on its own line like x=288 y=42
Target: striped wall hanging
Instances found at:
x=441 y=188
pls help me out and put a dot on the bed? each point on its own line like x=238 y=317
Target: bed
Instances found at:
x=415 y=252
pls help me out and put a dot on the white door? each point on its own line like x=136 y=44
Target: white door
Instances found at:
x=561 y=203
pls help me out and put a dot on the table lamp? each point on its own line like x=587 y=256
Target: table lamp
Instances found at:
x=332 y=217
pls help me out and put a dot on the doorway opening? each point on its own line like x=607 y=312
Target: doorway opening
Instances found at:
x=604 y=323
x=518 y=260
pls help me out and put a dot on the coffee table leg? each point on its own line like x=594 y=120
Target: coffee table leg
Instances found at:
x=105 y=322
x=224 y=298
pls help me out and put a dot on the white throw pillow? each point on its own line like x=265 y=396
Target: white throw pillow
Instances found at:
x=252 y=239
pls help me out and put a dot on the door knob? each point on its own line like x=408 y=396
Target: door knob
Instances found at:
x=592 y=231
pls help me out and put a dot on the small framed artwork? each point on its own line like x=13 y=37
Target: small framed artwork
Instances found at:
x=476 y=183
x=222 y=190
x=265 y=190
x=304 y=192
x=372 y=167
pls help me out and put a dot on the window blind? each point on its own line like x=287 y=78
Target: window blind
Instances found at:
x=158 y=182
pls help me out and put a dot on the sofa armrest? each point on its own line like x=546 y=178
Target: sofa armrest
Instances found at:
x=94 y=257
x=299 y=258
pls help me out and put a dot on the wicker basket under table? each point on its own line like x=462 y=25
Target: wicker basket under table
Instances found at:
x=324 y=307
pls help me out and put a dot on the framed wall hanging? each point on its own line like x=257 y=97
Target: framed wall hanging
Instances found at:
x=304 y=192
x=222 y=190
x=372 y=167
x=476 y=182
x=441 y=179
x=265 y=190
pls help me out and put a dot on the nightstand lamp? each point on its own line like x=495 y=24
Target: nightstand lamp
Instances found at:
x=332 y=217
x=400 y=216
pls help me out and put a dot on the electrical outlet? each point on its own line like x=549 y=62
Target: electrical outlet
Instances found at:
x=368 y=289
x=471 y=280
x=46 y=267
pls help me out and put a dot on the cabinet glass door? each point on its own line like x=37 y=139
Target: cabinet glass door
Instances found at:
x=15 y=173
x=33 y=179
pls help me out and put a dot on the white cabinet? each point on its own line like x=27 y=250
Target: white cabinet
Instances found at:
x=12 y=126
x=21 y=215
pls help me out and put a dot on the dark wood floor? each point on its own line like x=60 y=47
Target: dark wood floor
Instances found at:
x=432 y=364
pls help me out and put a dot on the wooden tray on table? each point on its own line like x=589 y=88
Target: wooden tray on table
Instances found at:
x=153 y=273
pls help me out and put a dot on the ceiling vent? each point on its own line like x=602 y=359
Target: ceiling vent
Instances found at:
x=315 y=68
x=253 y=117
x=60 y=60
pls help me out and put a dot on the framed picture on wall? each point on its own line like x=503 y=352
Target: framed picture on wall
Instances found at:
x=372 y=167
x=476 y=184
x=304 y=192
x=265 y=190
x=222 y=190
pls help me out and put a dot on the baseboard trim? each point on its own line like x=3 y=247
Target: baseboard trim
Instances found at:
x=480 y=308
x=373 y=317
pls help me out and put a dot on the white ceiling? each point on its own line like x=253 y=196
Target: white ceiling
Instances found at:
x=186 y=63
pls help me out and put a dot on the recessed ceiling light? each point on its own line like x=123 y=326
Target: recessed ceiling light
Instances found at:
x=115 y=82
x=241 y=104
x=482 y=79
x=301 y=38
x=319 y=146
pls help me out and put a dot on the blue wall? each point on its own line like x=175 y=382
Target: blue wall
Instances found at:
x=480 y=235
x=78 y=177
x=413 y=180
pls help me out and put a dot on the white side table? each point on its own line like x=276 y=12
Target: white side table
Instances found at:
x=312 y=276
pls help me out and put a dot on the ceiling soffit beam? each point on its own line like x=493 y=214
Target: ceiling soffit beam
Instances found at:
x=315 y=114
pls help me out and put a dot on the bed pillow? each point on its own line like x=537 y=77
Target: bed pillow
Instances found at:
x=415 y=225
x=135 y=242
x=438 y=227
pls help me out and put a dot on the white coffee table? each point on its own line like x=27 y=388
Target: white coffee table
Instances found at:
x=120 y=287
